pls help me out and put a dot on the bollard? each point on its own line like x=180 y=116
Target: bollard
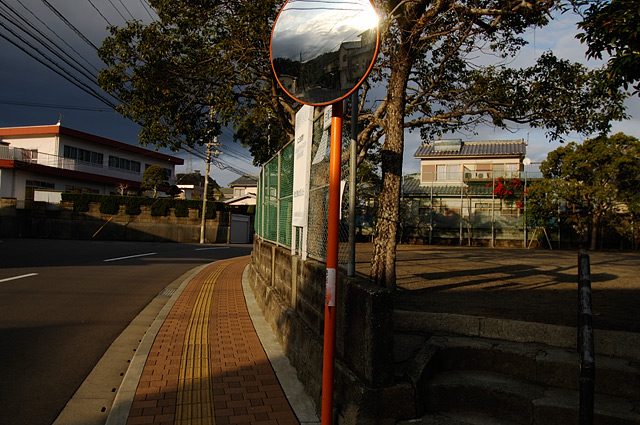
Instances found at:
x=585 y=344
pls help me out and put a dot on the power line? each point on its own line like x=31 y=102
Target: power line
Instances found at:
x=69 y=24
x=100 y=13
x=66 y=75
x=54 y=106
x=118 y=10
x=56 y=34
x=125 y=8
x=146 y=8
x=50 y=62
x=218 y=162
x=84 y=71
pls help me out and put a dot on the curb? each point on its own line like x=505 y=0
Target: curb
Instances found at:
x=96 y=398
x=119 y=412
x=287 y=375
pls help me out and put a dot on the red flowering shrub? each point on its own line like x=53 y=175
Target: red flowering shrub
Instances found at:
x=509 y=190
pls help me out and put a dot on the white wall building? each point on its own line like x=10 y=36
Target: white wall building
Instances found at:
x=60 y=159
x=245 y=189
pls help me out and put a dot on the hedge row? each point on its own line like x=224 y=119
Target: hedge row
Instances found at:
x=110 y=204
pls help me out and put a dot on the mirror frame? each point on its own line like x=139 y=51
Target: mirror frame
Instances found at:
x=341 y=97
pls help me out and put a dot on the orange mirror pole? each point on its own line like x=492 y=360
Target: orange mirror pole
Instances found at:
x=333 y=237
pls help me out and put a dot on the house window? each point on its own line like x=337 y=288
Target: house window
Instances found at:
x=238 y=192
x=512 y=170
x=483 y=171
x=124 y=164
x=448 y=172
x=428 y=172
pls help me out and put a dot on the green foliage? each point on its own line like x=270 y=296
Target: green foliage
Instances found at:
x=263 y=134
x=611 y=27
x=542 y=204
x=131 y=207
x=211 y=210
x=597 y=180
x=155 y=177
x=80 y=200
x=181 y=210
x=160 y=208
x=110 y=204
x=199 y=57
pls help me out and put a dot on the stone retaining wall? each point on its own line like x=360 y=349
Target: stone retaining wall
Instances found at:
x=63 y=223
x=291 y=294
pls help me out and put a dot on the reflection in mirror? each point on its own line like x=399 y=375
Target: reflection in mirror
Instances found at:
x=321 y=50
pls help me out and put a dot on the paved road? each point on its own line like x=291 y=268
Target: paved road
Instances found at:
x=62 y=303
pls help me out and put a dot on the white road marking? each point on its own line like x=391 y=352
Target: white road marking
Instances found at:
x=129 y=256
x=213 y=247
x=18 y=277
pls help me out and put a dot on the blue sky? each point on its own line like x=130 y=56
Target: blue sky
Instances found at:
x=558 y=36
x=31 y=94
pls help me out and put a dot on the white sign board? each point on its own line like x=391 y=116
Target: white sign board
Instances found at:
x=301 y=165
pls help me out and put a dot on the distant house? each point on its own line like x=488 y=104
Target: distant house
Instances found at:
x=453 y=194
x=192 y=186
x=60 y=159
x=245 y=189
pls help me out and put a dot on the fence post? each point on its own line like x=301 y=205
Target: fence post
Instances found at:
x=585 y=341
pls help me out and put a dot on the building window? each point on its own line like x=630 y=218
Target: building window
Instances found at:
x=80 y=189
x=238 y=192
x=448 y=172
x=83 y=155
x=32 y=185
x=124 y=164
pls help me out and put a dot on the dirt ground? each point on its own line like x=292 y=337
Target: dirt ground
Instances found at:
x=530 y=285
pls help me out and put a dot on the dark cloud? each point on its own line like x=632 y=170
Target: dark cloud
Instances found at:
x=32 y=94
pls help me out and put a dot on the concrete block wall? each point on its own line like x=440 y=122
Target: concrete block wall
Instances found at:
x=291 y=294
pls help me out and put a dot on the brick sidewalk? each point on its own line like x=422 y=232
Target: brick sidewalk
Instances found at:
x=207 y=365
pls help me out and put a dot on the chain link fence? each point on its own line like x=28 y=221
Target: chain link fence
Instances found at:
x=467 y=212
x=275 y=197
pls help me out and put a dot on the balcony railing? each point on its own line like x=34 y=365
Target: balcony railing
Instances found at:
x=473 y=175
x=34 y=157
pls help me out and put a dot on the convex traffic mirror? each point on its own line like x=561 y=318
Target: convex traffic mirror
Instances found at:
x=322 y=50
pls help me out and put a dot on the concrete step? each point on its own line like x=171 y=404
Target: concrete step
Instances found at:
x=536 y=363
x=519 y=401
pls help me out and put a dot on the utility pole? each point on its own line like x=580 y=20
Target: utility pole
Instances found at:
x=353 y=169
x=206 y=186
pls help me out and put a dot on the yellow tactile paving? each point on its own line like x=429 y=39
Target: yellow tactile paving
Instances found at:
x=195 y=394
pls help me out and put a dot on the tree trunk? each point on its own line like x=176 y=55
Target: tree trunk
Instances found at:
x=594 y=231
x=383 y=260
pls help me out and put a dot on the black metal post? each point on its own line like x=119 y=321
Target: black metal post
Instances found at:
x=585 y=341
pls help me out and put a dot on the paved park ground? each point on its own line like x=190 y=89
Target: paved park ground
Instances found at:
x=534 y=285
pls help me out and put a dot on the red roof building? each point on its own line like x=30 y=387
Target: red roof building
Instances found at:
x=60 y=159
